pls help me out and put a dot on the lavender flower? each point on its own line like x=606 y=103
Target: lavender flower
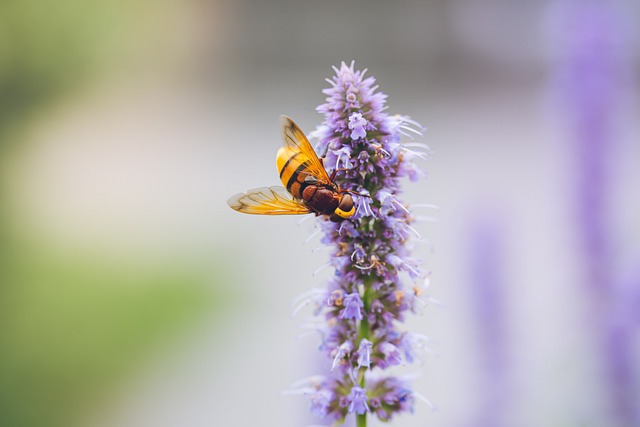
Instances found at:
x=593 y=71
x=487 y=290
x=376 y=281
x=358 y=400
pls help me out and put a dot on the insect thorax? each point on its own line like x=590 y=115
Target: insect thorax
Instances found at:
x=323 y=200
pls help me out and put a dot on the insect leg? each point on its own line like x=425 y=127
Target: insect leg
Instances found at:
x=335 y=171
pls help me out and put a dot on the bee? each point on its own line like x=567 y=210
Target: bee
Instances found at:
x=309 y=188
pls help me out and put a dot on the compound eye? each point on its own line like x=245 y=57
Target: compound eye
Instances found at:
x=346 y=208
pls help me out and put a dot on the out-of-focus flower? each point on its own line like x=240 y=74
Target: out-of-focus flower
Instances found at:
x=593 y=37
x=487 y=290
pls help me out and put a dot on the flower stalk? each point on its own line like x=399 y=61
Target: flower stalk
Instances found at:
x=376 y=281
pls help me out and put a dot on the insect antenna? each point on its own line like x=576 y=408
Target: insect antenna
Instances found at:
x=354 y=192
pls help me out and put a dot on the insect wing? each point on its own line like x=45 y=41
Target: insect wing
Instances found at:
x=267 y=201
x=295 y=141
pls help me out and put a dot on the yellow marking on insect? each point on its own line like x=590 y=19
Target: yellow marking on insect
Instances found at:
x=345 y=214
x=287 y=164
x=299 y=169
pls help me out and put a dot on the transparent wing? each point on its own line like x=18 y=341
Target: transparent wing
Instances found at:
x=267 y=201
x=295 y=141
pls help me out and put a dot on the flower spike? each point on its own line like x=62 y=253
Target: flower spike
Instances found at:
x=376 y=282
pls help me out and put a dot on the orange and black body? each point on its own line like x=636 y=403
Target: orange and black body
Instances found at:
x=309 y=189
x=321 y=198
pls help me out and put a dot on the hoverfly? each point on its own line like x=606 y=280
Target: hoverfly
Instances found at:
x=309 y=188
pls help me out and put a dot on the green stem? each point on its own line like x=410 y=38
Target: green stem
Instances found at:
x=364 y=332
x=364 y=329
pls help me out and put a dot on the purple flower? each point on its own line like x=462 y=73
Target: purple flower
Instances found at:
x=343 y=156
x=413 y=346
x=363 y=204
x=323 y=402
x=320 y=401
x=388 y=203
x=364 y=353
x=394 y=395
x=357 y=124
x=358 y=400
x=391 y=353
x=352 y=306
x=344 y=351
x=595 y=83
x=376 y=281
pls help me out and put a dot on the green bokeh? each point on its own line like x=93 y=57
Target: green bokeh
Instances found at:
x=49 y=49
x=75 y=323
x=72 y=328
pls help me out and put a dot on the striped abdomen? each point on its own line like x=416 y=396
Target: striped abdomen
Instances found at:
x=293 y=170
x=320 y=197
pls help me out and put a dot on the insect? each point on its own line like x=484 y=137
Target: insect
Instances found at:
x=309 y=188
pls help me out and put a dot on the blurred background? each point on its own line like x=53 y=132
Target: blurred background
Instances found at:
x=131 y=295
